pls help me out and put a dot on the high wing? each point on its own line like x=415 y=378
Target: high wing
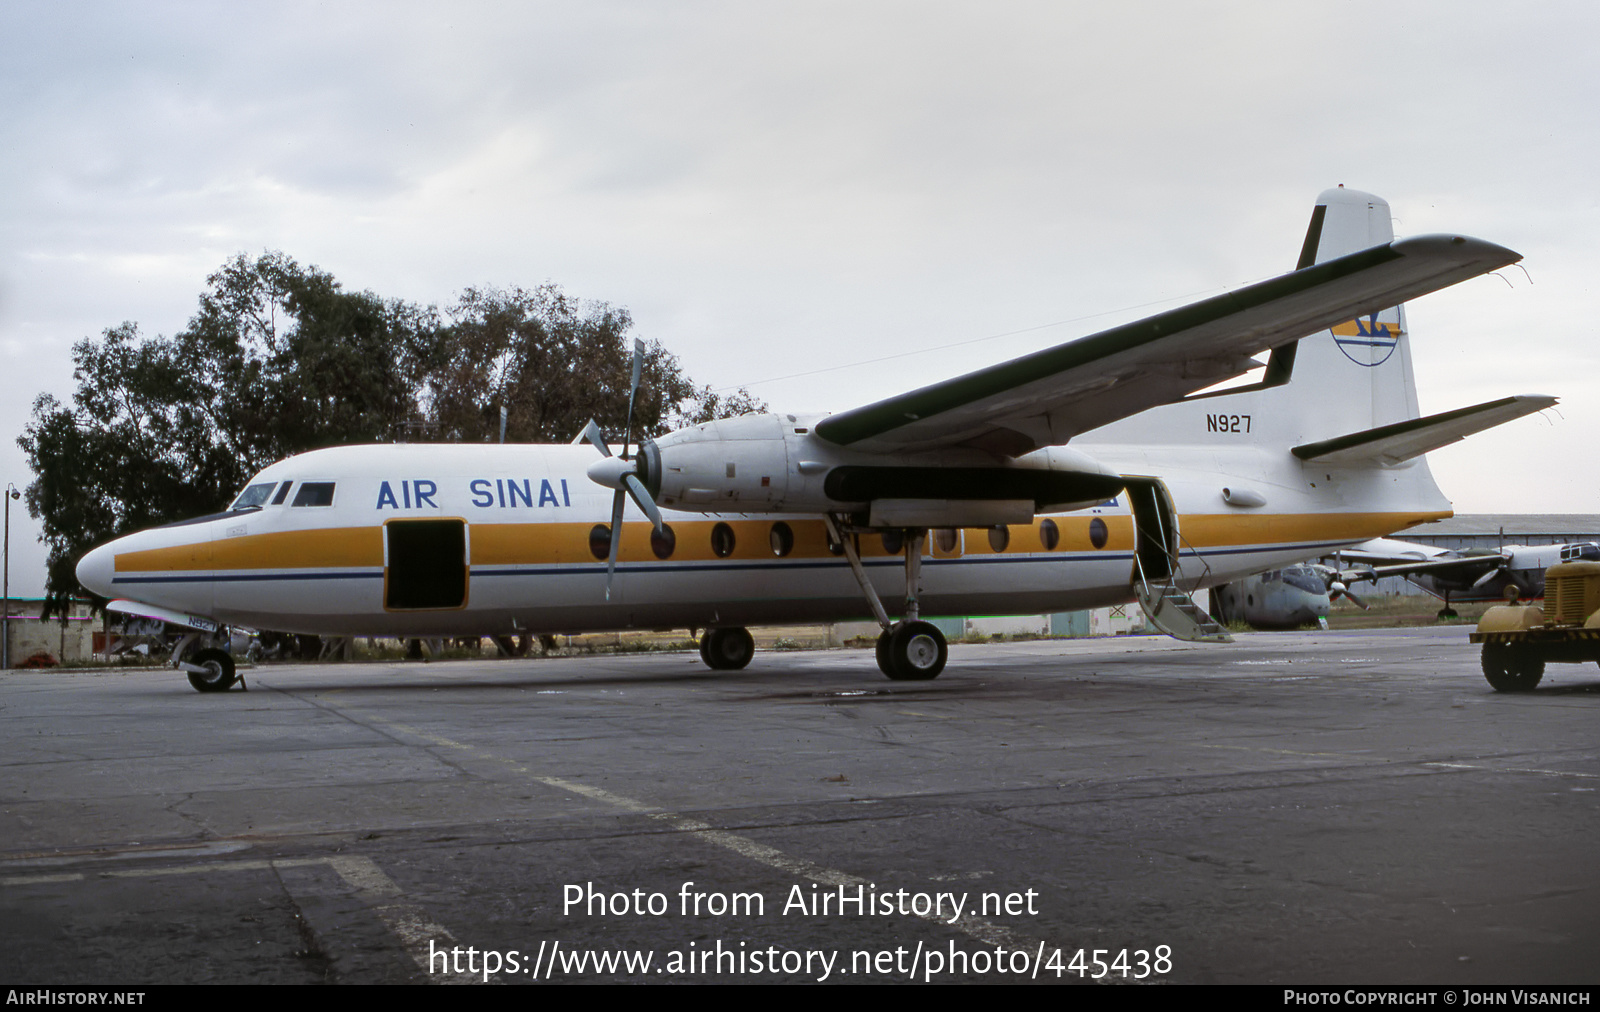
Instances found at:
x=1473 y=568
x=1383 y=557
x=1046 y=398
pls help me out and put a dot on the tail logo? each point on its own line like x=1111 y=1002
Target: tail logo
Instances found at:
x=1367 y=342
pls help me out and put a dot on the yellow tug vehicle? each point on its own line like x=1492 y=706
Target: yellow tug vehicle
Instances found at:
x=1518 y=640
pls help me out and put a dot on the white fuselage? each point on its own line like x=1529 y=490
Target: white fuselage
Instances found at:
x=515 y=527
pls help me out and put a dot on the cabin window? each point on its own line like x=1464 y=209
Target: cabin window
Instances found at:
x=781 y=539
x=893 y=541
x=663 y=542
x=1098 y=535
x=600 y=541
x=1049 y=535
x=945 y=539
x=999 y=538
x=722 y=541
x=254 y=495
x=314 y=493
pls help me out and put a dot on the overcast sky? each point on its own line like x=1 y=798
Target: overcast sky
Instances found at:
x=777 y=188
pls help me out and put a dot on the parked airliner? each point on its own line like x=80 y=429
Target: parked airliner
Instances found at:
x=1097 y=472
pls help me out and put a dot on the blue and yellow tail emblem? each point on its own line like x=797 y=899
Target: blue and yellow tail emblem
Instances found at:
x=1368 y=341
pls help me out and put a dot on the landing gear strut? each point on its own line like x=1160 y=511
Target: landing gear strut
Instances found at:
x=909 y=650
x=1447 y=612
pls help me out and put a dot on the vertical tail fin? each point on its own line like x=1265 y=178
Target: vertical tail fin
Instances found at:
x=1353 y=377
x=1363 y=366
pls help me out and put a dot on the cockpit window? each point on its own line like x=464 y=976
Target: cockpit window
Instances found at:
x=283 y=493
x=1305 y=579
x=254 y=495
x=314 y=493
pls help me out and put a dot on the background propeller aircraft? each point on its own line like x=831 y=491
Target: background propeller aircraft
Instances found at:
x=1515 y=572
x=1285 y=598
x=963 y=497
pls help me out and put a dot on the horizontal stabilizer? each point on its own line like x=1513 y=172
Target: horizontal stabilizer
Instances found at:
x=1388 y=445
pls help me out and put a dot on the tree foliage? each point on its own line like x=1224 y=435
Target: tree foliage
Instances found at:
x=555 y=362
x=279 y=359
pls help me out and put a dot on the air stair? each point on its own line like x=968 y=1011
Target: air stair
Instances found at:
x=1173 y=612
x=1156 y=569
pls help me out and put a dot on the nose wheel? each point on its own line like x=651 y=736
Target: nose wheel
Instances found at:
x=211 y=670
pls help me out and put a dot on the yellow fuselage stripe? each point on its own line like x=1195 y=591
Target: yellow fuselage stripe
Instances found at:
x=567 y=543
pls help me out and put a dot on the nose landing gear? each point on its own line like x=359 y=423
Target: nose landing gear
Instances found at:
x=210 y=669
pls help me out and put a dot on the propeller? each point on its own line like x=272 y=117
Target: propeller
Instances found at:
x=1337 y=589
x=1338 y=584
x=620 y=472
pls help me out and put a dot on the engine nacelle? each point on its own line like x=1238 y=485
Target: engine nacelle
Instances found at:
x=773 y=463
x=733 y=465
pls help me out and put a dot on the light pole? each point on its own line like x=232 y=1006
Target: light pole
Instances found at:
x=5 y=595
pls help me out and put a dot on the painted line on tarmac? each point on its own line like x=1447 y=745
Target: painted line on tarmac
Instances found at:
x=406 y=920
x=1515 y=769
x=972 y=926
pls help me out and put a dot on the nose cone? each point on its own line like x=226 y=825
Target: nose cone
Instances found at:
x=94 y=570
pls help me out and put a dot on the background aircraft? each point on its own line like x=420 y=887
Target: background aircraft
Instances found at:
x=1515 y=572
x=1286 y=598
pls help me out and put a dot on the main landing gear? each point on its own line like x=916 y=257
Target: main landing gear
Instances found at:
x=727 y=649
x=910 y=650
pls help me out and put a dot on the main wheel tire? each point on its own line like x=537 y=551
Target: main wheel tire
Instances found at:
x=219 y=675
x=917 y=652
x=1510 y=667
x=728 y=649
x=885 y=659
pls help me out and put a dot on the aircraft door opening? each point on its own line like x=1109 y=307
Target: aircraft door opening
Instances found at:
x=1155 y=530
x=425 y=565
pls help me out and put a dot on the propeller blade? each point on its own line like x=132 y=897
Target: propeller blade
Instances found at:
x=633 y=389
x=1486 y=577
x=636 y=489
x=591 y=433
x=616 y=538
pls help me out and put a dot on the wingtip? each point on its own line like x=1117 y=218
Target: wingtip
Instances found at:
x=1462 y=248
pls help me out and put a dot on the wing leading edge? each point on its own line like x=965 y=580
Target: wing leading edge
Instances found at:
x=1046 y=398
